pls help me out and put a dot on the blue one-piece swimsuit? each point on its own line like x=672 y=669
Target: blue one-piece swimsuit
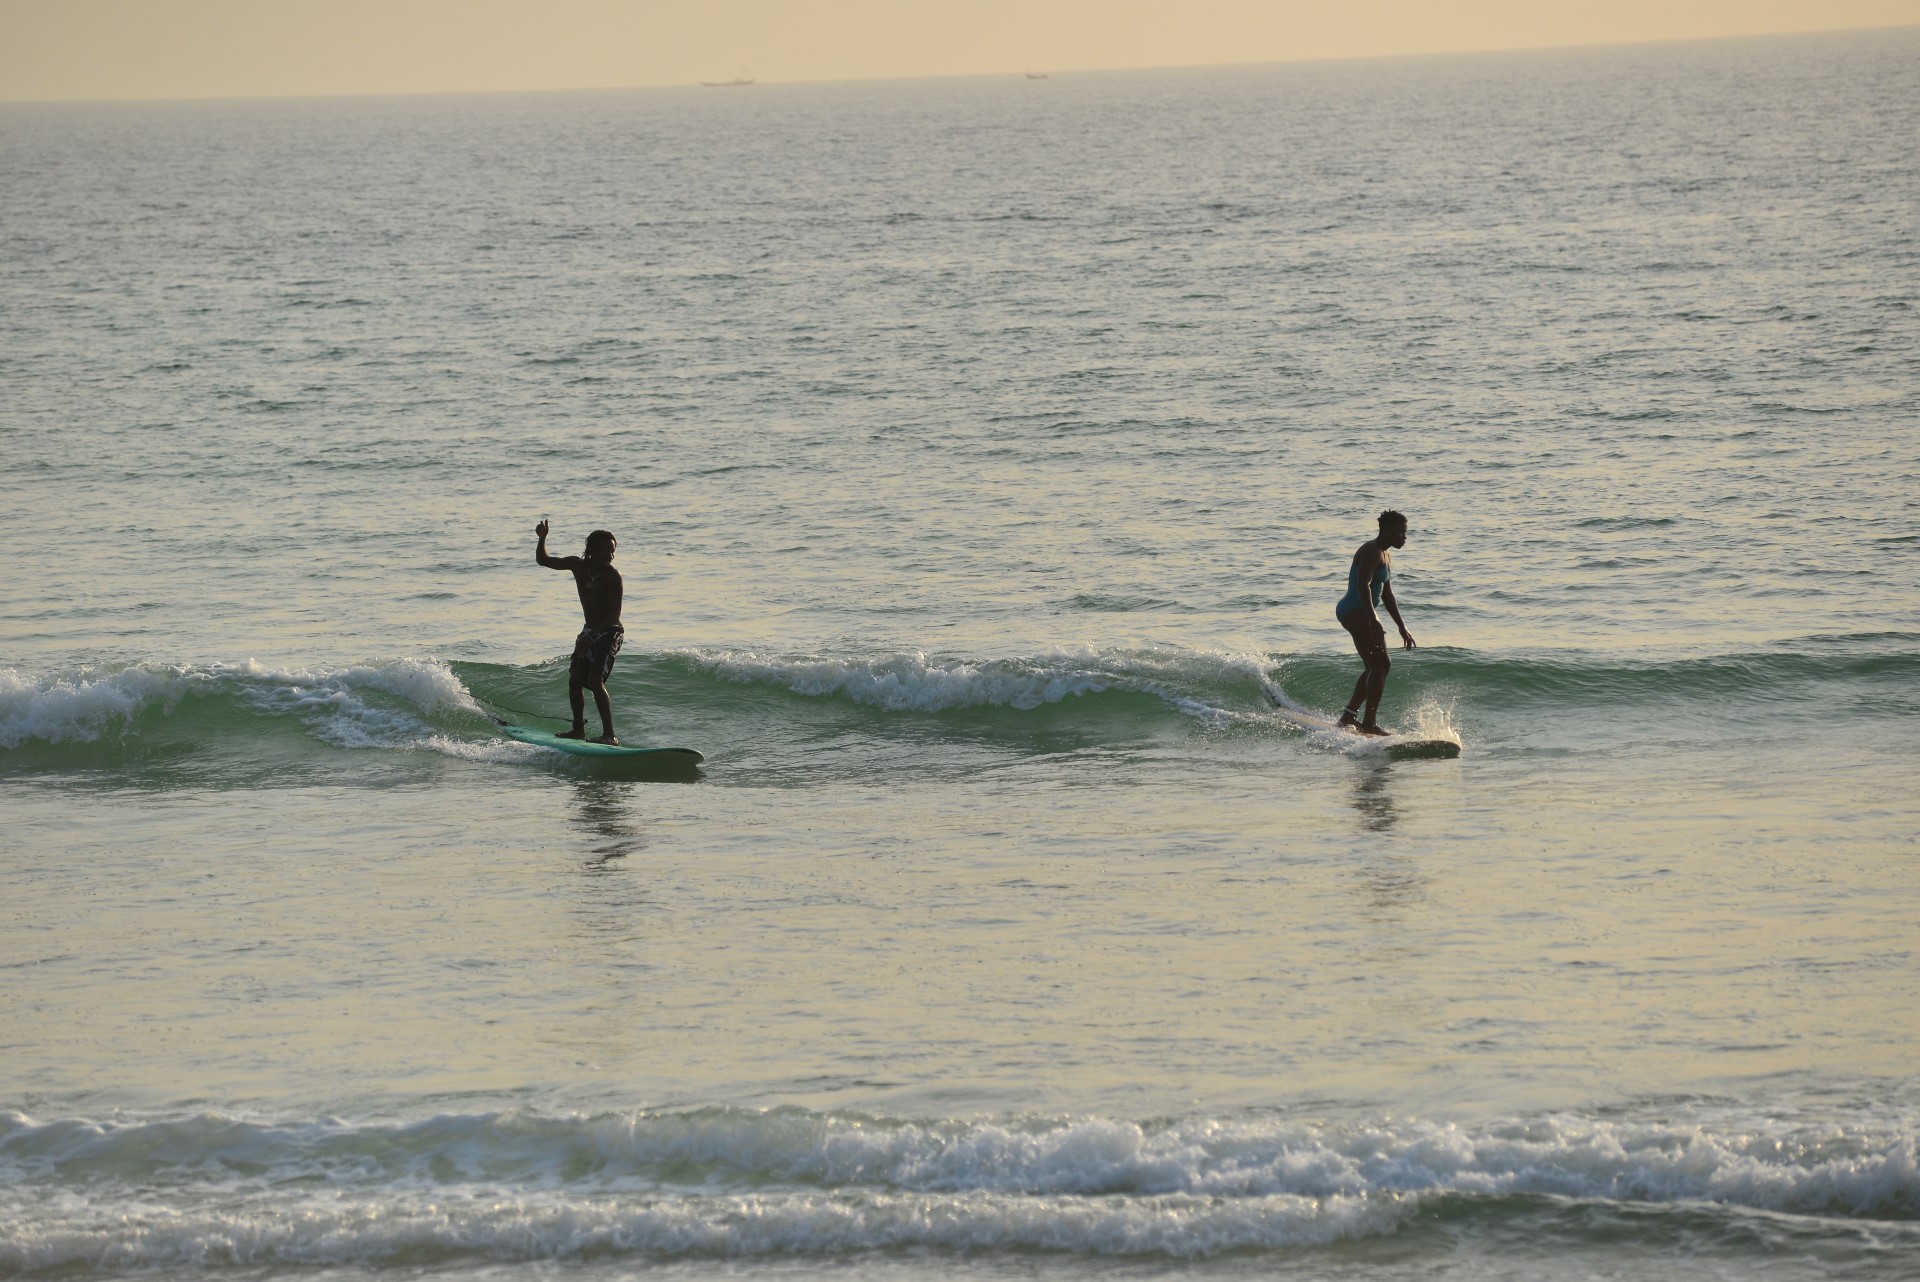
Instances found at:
x=1352 y=600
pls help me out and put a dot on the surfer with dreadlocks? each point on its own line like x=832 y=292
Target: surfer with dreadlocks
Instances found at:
x=600 y=588
x=1370 y=584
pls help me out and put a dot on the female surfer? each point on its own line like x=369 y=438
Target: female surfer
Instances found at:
x=1370 y=584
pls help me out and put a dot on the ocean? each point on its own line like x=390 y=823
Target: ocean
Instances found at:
x=976 y=449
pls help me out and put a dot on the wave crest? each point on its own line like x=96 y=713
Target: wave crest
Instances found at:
x=1840 y=1170
x=364 y=705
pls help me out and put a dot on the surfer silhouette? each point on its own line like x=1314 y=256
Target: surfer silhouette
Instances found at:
x=1370 y=584
x=599 y=641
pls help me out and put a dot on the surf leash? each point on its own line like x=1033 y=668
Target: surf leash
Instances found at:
x=519 y=712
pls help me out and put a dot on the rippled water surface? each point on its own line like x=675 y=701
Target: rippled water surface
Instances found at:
x=977 y=449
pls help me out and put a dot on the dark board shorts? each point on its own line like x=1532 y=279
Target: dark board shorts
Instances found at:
x=593 y=654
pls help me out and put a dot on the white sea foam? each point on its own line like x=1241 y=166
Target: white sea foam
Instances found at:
x=913 y=681
x=1430 y=720
x=208 y=1190
x=82 y=707
x=1836 y=1170
x=422 y=1228
x=491 y=749
x=366 y=705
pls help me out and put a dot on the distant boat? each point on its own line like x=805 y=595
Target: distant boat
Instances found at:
x=742 y=79
x=1036 y=75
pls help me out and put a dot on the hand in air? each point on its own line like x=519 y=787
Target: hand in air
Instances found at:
x=1406 y=638
x=540 y=530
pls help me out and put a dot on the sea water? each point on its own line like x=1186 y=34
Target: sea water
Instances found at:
x=975 y=447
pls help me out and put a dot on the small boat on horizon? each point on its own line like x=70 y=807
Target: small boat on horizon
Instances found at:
x=1036 y=75
x=742 y=79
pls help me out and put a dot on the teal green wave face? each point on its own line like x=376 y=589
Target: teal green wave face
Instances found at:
x=245 y=725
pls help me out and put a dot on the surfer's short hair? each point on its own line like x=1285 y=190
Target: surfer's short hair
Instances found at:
x=601 y=538
x=1391 y=517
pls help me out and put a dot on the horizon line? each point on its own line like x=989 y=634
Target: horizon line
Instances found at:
x=1047 y=72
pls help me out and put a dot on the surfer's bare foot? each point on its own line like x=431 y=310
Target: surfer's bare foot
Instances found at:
x=578 y=732
x=1348 y=721
x=611 y=740
x=1373 y=728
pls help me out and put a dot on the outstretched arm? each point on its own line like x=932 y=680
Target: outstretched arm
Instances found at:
x=540 y=551
x=1393 y=608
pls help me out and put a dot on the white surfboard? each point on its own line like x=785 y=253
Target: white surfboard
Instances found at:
x=1329 y=733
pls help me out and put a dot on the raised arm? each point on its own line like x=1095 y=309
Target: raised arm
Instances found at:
x=540 y=551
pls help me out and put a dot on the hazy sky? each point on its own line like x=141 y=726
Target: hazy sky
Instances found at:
x=224 y=48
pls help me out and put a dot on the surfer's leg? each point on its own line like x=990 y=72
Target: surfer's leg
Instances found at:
x=1362 y=643
x=1378 y=665
x=1370 y=639
x=579 y=673
x=576 y=695
x=1350 y=715
x=599 y=668
x=576 y=678
x=605 y=707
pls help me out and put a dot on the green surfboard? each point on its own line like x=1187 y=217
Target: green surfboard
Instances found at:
x=587 y=748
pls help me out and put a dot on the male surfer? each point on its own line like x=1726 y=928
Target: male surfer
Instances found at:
x=1370 y=584
x=593 y=650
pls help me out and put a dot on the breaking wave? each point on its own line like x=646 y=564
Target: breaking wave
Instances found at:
x=215 y=1190
x=106 y=715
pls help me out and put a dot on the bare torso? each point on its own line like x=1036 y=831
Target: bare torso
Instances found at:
x=600 y=592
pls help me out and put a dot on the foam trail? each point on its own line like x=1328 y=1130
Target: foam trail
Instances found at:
x=1432 y=722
